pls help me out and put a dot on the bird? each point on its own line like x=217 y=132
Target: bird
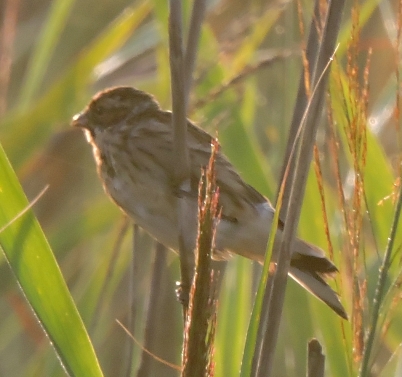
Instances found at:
x=132 y=140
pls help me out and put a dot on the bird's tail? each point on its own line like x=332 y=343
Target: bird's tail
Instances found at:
x=309 y=267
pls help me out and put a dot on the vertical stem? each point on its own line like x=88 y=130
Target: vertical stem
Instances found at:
x=315 y=359
x=297 y=185
x=153 y=310
x=197 y=17
x=181 y=168
x=380 y=290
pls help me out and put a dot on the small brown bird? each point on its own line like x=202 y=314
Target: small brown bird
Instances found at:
x=132 y=141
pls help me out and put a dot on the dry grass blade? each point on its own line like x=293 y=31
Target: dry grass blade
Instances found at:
x=298 y=182
x=201 y=320
x=251 y=69
x=355 y=108
x=181 y=66
x=26 y=209
x=145 y=350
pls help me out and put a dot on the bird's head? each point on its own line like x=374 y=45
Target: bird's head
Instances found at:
x=112 y=106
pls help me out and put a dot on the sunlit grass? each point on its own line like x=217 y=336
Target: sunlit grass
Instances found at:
x=251 y=117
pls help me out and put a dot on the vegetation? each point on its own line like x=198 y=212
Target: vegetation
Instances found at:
x=55 y=55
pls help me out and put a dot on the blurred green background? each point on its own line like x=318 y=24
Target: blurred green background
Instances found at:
x=56 y=54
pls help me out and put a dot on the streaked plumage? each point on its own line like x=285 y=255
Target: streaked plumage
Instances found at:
x=132 y=141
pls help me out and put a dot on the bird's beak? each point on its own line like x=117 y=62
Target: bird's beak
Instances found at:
x=80 y=120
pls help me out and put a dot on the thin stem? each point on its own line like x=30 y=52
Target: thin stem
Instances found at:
x=181 y=168
x=197 y=17
x=298 y=183
x=380 y=290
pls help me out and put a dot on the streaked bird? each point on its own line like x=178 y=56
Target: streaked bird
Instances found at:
x=132 y=142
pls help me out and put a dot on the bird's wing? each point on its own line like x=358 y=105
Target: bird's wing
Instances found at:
x=235 y=195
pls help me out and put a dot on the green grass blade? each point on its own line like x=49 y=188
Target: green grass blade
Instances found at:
x=48 y=39
x=30 y=257
x=60 y=102
x=232 y=328
x=251 y=339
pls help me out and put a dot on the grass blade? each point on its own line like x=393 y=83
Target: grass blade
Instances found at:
x=35 y=268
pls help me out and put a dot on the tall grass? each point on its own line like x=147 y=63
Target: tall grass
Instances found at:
x=245 y=84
